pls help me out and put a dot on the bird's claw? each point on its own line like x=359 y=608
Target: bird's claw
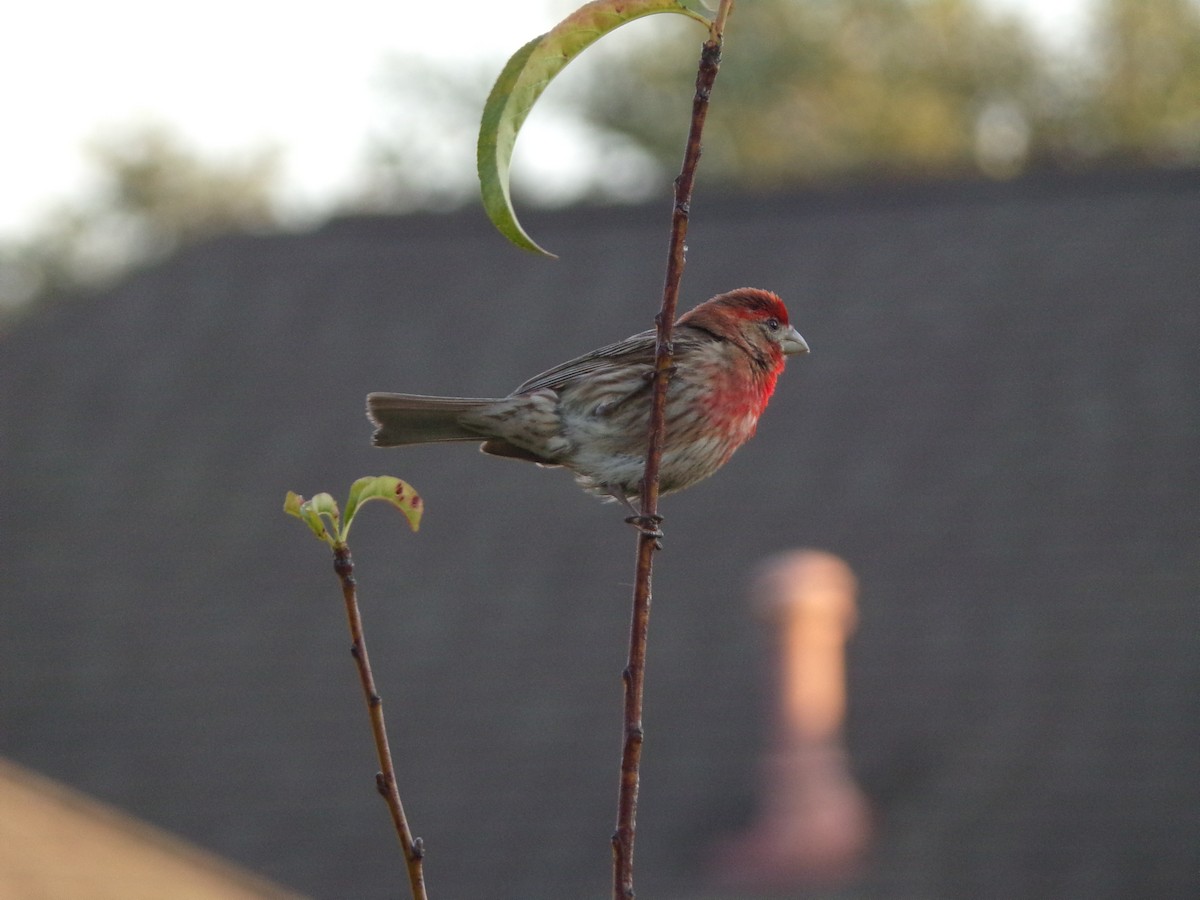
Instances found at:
x=648 y=525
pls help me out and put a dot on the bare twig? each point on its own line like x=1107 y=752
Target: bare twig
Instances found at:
x=648 y=538
x=385 y=779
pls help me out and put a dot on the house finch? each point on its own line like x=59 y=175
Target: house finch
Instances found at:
x=591 y=414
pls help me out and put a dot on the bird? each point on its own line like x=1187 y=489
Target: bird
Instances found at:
x=590 y=414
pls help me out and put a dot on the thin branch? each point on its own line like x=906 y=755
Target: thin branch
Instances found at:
x=648 y=537
x=716 y=31
x=385 y=779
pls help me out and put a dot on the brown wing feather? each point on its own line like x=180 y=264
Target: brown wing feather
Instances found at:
x=637 y=349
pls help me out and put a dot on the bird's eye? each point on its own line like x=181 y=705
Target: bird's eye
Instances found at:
x=772 y=324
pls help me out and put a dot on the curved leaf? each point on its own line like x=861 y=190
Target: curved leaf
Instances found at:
x=523 y=80
x=399 y=494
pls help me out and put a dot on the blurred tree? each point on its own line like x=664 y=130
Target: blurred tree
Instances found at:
x=171 y=194
x=837 y=89
x=831 y=88
x=153 y=194
x=1146 y=102
x=422 y=156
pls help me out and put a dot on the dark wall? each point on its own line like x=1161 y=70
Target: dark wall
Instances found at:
x=997 y=428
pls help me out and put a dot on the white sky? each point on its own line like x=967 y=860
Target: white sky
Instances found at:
x=236 y=74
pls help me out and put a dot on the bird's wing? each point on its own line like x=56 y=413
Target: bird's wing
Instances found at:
x=635 y=350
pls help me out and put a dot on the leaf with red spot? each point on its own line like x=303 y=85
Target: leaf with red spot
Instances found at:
x=399 y=494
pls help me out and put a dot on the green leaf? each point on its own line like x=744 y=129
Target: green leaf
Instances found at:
x=524 y=79
x=399 y=494
x=292 y=503
x=309 y=512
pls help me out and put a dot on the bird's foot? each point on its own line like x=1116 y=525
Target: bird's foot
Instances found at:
x=648 y=526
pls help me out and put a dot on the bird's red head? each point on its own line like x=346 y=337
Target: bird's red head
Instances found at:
x=753 y=318
x=752 y=303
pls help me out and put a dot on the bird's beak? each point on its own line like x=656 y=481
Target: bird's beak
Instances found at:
x=792 y=343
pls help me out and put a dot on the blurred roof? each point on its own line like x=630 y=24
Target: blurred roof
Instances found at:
x=998 y=428
x=60 y=845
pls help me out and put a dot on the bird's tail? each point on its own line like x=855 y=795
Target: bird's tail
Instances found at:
x=411 y=419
